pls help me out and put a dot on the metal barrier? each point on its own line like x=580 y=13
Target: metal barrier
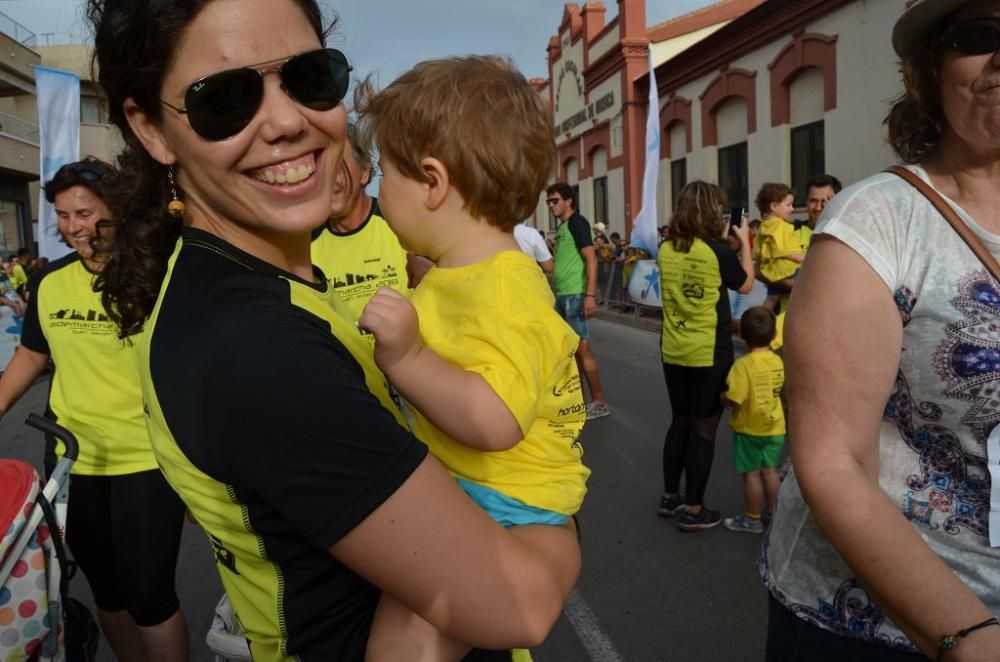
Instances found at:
x=614 y=290
x=15 y=126
x=18 y=32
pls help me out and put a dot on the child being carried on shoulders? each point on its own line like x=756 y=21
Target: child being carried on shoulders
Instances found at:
x=479 y=351
x=758 y=420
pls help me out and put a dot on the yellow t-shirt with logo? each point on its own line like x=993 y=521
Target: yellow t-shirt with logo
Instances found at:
x=361 y=261
x=754 y=384
x=774 y=242
x=803 y=234
x=695 y=288
x=19 y=277
x=779 y=327
x=497 y=318
x=95 y=391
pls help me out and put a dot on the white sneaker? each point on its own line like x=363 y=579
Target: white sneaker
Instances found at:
x=597 y=410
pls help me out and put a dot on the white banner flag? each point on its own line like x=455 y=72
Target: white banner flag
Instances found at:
x=644 y=285
x=59 y=129
x=644 y=229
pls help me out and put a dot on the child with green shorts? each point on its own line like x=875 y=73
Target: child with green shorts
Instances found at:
x=758 y=420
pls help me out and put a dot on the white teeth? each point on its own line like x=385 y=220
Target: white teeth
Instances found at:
x=290 y=176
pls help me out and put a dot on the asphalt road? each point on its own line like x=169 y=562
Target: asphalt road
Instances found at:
x=648 y=592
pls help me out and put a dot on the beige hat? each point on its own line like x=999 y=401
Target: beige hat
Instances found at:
x=919 y=17
x=600 y=226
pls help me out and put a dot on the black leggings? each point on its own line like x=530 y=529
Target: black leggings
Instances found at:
x=689 y=445
x=125 y=532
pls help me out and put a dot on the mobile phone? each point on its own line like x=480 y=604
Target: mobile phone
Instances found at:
x=735 y=217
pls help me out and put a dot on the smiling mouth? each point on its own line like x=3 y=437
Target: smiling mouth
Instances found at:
x=286 y=173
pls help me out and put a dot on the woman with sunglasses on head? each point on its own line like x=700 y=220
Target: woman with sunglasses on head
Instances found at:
x=124 y=523
x=880 y=546
x=266 y=411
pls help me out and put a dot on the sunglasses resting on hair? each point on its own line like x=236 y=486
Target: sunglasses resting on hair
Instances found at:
x=222 y=104
x=83 y=170
x=974 y=36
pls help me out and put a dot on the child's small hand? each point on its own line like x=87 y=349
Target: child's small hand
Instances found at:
x=392 y=319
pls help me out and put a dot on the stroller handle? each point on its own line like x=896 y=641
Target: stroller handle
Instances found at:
x=57 y=431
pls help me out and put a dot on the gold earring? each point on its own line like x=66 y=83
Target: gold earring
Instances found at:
x=176 y=208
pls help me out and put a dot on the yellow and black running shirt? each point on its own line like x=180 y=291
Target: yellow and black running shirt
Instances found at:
x=696 y=318
x=269 y=418
x=95 y=391
x=361 y=261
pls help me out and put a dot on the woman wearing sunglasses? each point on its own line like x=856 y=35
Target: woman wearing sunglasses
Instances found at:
x=880 y=547
x=266 y=412
x=124 y=522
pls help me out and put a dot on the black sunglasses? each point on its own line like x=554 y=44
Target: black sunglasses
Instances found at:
x=553 y=201
x=974 y=36
x=222 y=104
x=83 y=170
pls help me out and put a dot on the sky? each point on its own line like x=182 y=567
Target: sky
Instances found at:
x=386 y=37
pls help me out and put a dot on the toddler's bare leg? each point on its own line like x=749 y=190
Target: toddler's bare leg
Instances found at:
x=399 y=634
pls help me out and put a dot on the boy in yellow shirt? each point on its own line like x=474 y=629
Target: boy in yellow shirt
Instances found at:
x=479 y=351
x=778 y=250
x=758 y=421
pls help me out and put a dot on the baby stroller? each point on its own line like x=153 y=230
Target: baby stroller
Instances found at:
x=37 y=621
x=225 y=638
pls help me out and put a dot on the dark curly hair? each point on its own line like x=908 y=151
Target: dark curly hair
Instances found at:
x=916 y=119
x=133 y=49
x=771 y=194
x=90 y=172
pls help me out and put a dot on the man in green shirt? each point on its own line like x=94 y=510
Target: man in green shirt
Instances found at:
x=575 y=282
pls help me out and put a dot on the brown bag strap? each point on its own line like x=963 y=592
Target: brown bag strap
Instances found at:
x=968 y=236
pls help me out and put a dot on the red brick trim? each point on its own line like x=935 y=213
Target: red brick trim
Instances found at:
x=572 y=20
x=699 y=19
x=597 y=138
x=570 y=152
x=678 y=109
x=804 y=52
x=612 y=25
x=730 y=83
x=768 y=23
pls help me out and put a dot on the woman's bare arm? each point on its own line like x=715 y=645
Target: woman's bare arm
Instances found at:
x=839 y=381
x=21 y=372
x=439 y=554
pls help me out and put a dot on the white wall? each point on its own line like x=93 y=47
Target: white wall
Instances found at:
x=604 y=44
x=867 y=78
x=806 y=94
x=664 y=50
x=616 y=201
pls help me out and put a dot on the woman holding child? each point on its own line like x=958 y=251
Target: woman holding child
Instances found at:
x=697 y=268
x=880 y=546
x=266 y=411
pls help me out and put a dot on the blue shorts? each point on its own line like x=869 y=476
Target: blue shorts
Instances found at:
x=508 y=511
x=570 y=308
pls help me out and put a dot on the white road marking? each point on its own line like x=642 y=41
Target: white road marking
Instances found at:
x=593 y=637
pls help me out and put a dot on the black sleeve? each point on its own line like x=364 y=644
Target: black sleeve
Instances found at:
x=295 y=424
x=32 y=336
x=580 y=229
x=732 y=272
